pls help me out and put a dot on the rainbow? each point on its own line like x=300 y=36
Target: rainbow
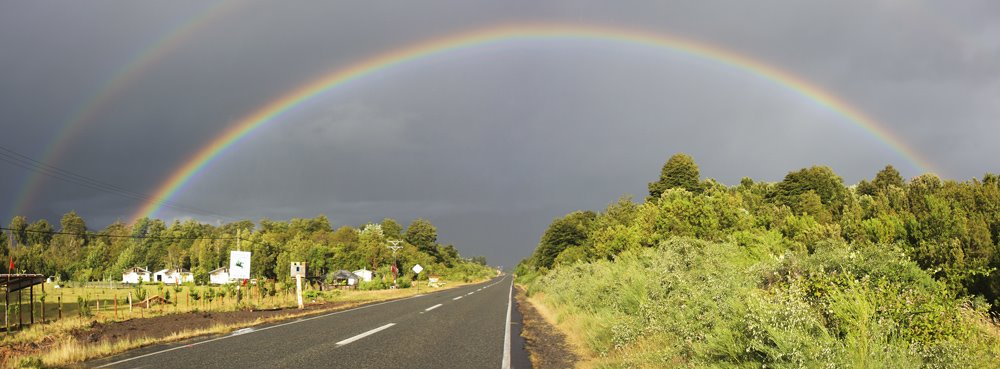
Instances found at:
x=126 y=75
x=275 y=108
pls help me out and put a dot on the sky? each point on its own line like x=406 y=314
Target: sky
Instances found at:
x=488 y=143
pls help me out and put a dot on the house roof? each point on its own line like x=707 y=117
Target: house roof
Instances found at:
x=223 y=269
x=135 y=270
x=343 y=274
x=172 y=271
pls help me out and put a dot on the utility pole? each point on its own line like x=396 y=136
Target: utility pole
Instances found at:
x=395 y=247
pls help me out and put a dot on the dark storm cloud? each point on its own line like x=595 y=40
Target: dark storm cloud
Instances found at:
x=490 y=144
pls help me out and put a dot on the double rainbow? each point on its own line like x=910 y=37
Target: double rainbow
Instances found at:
x=274 y=109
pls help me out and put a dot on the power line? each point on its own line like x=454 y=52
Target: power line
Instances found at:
x=25 y=162
x=122 y=236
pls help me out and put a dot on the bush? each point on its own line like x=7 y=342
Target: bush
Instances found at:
x=404 y=282
x=375 y=284
x=697 y=303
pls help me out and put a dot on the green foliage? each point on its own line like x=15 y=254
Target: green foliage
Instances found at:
x=374 y=284
x=680 y=171
x=82 y=255
x=404 y=282
x=83 y=307
x=563 y=233
x=801 y=273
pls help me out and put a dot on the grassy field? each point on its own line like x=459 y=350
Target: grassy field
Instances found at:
x=113 y=302
x=60 y=348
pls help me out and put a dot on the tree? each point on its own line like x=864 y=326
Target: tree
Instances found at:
x=819 y=179
x=19 y=225
x=373 y=243
x=887 y=178
x=568 y=231
x=422 y=234
x=679 y=171
x=40 y=233
x=392 y=229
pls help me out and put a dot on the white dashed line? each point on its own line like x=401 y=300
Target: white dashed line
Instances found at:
x=433 y=307
x=366 y=334
x=457 y=298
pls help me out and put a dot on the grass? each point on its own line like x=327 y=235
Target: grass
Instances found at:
x=65 y=350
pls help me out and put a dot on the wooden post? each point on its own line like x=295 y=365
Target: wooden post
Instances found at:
x=298 y=290
x=31 y=295
x=6 y=308
x=43 y=303
x=116 y=306
x=59 y=299
x=20 y=319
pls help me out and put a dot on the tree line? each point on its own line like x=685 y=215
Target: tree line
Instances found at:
x=951 y=229
x=74 y=252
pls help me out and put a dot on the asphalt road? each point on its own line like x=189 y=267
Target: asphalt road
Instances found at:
x=465 y=327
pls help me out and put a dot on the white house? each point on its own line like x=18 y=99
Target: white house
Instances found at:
x=135 y=275
x=364 y=274
x=173 y=276
x=219 y=276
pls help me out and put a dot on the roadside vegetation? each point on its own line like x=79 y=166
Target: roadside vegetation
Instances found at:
x=805 y=272
x=63 y=342
x=87 y=264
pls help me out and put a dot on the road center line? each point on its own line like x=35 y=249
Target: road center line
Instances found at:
x=366 y=334
x=433 y=307
x=457 y=298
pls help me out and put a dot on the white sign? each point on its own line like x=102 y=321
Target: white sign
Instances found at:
x=417 y=268
x=239 y=264
x=298 y=269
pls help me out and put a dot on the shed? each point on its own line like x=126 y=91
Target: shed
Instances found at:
x=135 y=275
x=173 y=276
x=364 y=274
x=343 y=277
x=219 y=276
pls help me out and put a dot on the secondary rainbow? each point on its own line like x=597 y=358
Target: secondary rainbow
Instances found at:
x=274 y=109
x=125 y=76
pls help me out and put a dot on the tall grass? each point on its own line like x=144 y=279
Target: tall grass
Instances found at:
x=690 y=303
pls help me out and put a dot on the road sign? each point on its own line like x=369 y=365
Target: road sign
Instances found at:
x=239 y=264
x=417 y=268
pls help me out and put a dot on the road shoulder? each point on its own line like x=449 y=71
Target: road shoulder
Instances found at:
x=547 y=346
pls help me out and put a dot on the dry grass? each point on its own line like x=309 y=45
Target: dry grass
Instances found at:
x=569 y=326
x=65 y=350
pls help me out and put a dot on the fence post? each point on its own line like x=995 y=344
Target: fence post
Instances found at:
x=59 y=298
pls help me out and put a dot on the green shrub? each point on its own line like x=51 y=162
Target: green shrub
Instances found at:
x=732 y=305
x=375 y=284
x=404 y=282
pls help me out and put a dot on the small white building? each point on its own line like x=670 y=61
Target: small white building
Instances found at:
x=135 y=275
x=173 y=276
x=219 y=276
x=364 y=274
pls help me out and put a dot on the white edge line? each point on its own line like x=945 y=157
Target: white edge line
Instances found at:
x=366 y=334
x=433 y=307
x=506 y=336
x=255 y=331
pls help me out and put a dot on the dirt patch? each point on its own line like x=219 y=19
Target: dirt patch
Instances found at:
x=546 y=345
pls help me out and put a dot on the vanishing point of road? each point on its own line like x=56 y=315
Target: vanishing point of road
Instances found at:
x=464 y=327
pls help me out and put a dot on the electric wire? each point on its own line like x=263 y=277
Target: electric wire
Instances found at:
x=14 y=158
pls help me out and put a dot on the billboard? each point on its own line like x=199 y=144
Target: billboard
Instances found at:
x=239 y=264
